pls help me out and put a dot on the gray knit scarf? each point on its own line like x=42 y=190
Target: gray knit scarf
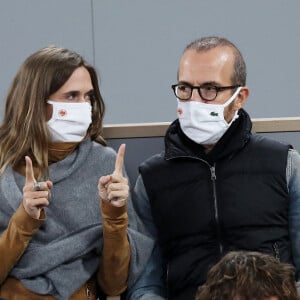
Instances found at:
x=65 y=252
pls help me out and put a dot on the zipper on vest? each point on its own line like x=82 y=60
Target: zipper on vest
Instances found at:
x=213 y=179
x=276 y=251
x=167 y=279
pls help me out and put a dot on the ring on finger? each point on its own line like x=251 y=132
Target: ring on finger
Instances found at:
x=37 y=186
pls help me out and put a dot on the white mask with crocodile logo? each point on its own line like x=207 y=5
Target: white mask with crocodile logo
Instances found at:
x=204 y=123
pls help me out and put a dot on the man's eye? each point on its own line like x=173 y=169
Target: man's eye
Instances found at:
x=209 y=88
x=183 y=88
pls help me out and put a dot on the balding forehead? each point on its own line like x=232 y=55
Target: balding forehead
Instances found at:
x=209 y=60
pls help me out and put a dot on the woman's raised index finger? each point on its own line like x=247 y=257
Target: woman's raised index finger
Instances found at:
x=120 y=160
x=29 y=171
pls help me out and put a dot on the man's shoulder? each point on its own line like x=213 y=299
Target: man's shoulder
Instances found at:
x=154 y=160
x=260 y=140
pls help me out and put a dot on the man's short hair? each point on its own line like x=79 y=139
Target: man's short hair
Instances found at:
x=207 y=43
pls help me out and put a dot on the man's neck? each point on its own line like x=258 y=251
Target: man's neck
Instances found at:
x=208 y=148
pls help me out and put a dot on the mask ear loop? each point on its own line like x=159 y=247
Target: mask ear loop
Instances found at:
x=232 y=98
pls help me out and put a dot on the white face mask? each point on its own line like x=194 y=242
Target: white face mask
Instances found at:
x=69 y=121
x=204 y=123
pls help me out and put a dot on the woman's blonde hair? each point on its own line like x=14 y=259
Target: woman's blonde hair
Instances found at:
x=24 y=129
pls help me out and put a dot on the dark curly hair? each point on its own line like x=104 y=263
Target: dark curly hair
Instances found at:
x=243 y=275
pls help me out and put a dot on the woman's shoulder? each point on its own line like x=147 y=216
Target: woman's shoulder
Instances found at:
x=102 y=150
x=95 y=156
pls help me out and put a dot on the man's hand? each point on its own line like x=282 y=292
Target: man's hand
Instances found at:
x=35 y=194
x=114 y=188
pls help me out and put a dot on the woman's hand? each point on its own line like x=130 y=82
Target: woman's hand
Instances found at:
x=114 y=188
x=35 y=194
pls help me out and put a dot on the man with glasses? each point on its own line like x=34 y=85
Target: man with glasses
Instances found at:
x=217 y=187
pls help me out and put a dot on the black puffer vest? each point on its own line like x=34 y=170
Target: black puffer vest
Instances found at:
x=206 y=205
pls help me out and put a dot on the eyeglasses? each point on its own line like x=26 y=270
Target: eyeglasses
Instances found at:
x=206 y=92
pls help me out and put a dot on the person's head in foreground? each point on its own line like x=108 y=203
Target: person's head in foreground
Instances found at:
x=242 y=275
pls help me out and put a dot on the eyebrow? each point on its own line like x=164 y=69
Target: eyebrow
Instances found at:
x=91 y=91
x=77 y=92
x=213 y=83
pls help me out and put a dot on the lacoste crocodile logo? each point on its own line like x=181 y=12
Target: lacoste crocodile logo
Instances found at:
x=214 y=114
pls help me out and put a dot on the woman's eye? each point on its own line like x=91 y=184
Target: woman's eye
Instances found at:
x=89 y=97
x=71 y=96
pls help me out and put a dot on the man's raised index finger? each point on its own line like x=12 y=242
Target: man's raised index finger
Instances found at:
x=120 y=160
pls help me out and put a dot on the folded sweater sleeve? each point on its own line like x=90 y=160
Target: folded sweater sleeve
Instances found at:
x=115 y=259
x=15 y=239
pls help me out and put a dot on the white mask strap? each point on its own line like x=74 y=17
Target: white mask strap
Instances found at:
x=232 y=98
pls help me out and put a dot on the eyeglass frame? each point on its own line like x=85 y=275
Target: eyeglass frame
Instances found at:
x=217 y=88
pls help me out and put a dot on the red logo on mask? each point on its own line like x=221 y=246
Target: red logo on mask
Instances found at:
x=62 y=112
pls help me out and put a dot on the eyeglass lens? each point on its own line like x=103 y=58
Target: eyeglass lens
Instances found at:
x=184 y=92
